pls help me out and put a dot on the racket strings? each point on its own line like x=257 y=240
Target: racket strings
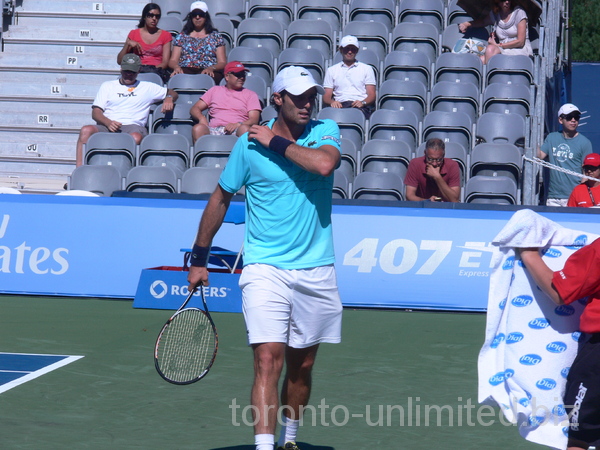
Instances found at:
x=188 y=346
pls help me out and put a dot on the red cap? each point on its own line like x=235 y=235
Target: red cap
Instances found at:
x=593 y=159
x=234 y=66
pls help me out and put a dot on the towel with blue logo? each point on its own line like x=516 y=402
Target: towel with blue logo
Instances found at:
x=530 y=342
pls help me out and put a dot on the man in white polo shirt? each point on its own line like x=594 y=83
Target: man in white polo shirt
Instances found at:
x=350 y=83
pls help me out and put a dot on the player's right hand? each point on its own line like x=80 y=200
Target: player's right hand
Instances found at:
x=114 y=126
x=197 y=276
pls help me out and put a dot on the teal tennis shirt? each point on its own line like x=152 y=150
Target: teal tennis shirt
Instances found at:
x=288 y=210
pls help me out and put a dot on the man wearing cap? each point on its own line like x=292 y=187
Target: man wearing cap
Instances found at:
x=289 y=291
x=123 y=105
x=350 y=83
x=566 y=149
x=232 y=108
x=587 y=194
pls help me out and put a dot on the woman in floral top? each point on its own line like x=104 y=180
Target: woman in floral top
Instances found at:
x=199 y=48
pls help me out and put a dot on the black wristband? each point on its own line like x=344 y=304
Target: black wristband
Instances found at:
x=279 y=145
x=199 y=256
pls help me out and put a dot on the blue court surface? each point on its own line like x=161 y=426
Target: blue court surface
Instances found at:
x=18 y=368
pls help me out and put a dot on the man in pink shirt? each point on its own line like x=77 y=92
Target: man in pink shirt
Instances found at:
x=232 y=108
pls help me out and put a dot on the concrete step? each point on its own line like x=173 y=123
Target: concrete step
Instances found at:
x=133 y=7
x=45 y=145
x=48 y=20
x=35 y=183
x=42 y=84
x=34 y=46
x=82 y=34
x=60 y=62
x=43 y=120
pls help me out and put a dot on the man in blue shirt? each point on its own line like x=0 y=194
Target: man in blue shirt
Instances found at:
x=566 y=149
x=290 y=297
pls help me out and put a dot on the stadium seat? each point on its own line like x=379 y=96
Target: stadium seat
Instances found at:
x=184 y=83
x=260 y=61
x=226 y=29
x=416 y=37
x=261 y=33
x=403 y=96
x=491 y=190
x=267 y=114
x=455 y=97
x=280 y=10
x=378 y=186
x=507 y=98
x=407 y=66
x=234 y=10
x=385 y=156
x=378 y=11
x=177 y=121
x=258 y=85
x=176 y=8
x=422 y=11
x=169 y=150
x=341 y=185
x=349 y=159
x=495 y=160
x=331 y=11
x=157 y=179
x=459 y=68
x=200 y=180
x=351 y=121
x=449 y=127
x=102 y=180
x=370 y=35
x=173 y=24
x=497 y=128
x=456 y=14
x=395 y=125
x=150 y=77
x=311 y=34
x=510 y=69
x=212 y=151
x=309 y=58
x=112 y=149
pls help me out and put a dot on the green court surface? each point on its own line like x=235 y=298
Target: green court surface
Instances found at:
x=113 y=398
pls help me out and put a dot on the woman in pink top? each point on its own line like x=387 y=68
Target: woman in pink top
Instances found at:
x=150 y=43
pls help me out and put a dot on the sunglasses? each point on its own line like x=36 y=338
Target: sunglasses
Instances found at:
x=197 y=15
x=571 y=116
x=590 y=168
x=153 y=16
x=238 y=74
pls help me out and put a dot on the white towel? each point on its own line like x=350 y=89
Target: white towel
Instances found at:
x=530 y=342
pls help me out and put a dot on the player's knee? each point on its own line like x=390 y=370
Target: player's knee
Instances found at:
x=86 y=131
x=137 y=137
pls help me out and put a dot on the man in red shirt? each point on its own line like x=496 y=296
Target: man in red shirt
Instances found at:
x=587 y=194
x=579 y=278
x=433 y=177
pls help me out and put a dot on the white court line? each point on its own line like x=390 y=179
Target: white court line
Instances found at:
x=38 y=373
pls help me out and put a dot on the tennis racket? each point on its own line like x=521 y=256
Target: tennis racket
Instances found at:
x=186 y=346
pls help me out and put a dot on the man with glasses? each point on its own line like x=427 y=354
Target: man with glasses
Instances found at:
x=432 y=176
x=587 y=194
x=232 y=108
x=123 y=105
x=350 y=83
x=566 y=149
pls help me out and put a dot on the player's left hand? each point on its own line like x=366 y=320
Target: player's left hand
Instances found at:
x=262 y=134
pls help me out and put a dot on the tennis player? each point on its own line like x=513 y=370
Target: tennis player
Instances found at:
x=579 y=278
x=289 y=290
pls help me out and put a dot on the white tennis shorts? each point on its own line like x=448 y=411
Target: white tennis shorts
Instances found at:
x=299 y=307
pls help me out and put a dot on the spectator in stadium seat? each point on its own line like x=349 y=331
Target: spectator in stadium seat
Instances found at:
x=587 y=194
x=511 y=33
x=232 y=108
x=566 y=149
x=123 y=105
x=432 y=176
x=199 y=48
x=350 y=83
x=150 y=43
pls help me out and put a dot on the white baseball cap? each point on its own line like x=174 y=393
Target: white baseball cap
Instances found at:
x=199 y=5
x=567 y=109
x=296 y=80
x=349 y=40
